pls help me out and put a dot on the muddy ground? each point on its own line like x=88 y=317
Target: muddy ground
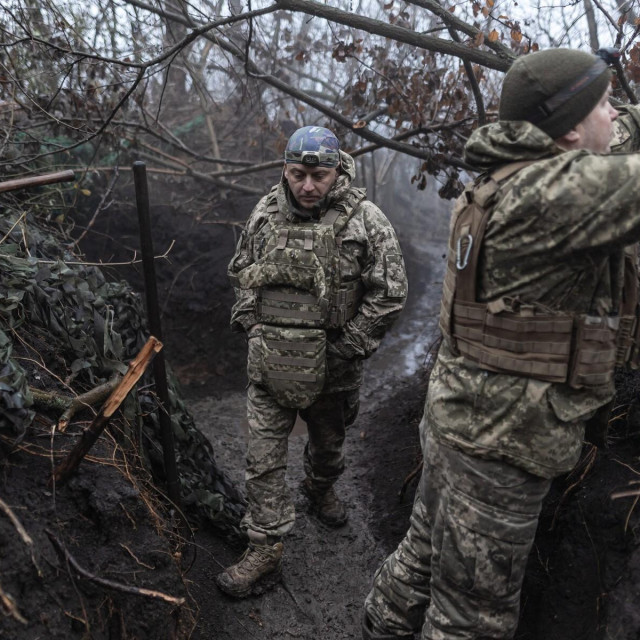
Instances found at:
x=584 y=571
x=326 y=571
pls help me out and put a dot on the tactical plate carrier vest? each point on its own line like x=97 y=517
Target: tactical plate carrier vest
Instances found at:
x=580 y=350
x=299 y=294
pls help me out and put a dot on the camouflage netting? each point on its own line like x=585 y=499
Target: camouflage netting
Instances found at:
x=73 y=329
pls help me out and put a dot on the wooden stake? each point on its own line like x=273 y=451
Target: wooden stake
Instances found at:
x=136 y=368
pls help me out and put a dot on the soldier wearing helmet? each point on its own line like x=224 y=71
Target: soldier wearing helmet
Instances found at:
x=319 y=278
x=539 y=306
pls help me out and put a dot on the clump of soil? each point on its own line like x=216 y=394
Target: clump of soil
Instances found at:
x=95 y=558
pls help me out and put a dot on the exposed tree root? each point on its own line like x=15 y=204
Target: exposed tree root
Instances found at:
x=111 y=584
x=26 y=538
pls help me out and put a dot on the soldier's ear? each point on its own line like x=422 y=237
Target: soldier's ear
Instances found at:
x=569 y=140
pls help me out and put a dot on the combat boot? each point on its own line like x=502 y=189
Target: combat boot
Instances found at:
x=326 y=504
x=259 y=568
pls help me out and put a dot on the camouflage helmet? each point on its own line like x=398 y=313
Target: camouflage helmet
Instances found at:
x=314 y=147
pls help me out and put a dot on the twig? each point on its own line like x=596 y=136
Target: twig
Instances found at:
x=15 y=224
x=133 y=260
x=8 y=603
x=133 y=555
x=111 y=584
x=136 y=368
x=100 y=207
x=26 y=538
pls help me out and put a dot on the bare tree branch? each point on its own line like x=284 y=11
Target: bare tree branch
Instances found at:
x=400 y=34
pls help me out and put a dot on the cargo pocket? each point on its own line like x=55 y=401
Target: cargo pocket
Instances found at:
x=484 y=553
x=293 y=364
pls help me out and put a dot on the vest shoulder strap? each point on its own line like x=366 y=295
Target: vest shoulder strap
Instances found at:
x=341 y=212
x=470 y=227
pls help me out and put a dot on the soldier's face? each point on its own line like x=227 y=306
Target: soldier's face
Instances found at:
x=596 y=129
x=309 y=184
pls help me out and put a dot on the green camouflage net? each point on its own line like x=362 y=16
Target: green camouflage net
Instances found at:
x=82 y=329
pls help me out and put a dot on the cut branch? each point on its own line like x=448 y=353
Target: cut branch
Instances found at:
x=136 y=368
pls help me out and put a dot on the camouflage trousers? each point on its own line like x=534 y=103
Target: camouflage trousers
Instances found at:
x=270 y=509
x=458 y=573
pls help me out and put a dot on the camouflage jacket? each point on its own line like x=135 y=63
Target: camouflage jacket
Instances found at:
x=555 y=239
x=369 y=251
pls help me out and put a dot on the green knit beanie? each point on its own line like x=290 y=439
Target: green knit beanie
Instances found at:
x=554 y=89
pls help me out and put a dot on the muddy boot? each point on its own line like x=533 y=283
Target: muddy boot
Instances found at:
x=326 y=505
x=369 y=634
x=259 y=568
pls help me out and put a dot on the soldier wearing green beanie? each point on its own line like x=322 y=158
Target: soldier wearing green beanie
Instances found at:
x=554 y=89
x=539 y=305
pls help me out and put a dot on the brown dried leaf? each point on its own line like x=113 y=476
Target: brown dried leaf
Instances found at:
x=493 y=36
x=360 y=124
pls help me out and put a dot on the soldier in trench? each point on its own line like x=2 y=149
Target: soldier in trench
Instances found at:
x=540 y=304
x=319 y=278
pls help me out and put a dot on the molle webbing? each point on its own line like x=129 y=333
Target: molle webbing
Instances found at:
x=295 y=245
x=579 y=350
x=343 y=305
x=291 y=364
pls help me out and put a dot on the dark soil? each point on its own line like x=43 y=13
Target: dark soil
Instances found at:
x=584 y=571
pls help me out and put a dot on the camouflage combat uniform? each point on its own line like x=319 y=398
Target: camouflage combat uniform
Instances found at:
x=369 y=253
x=493 y=442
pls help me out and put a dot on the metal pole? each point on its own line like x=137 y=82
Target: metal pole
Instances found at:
x=153 y=312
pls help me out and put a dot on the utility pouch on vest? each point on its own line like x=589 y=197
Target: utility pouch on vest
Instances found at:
x=633 y=354
x=594 y=351
x=290 y=362
x=627 y=352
